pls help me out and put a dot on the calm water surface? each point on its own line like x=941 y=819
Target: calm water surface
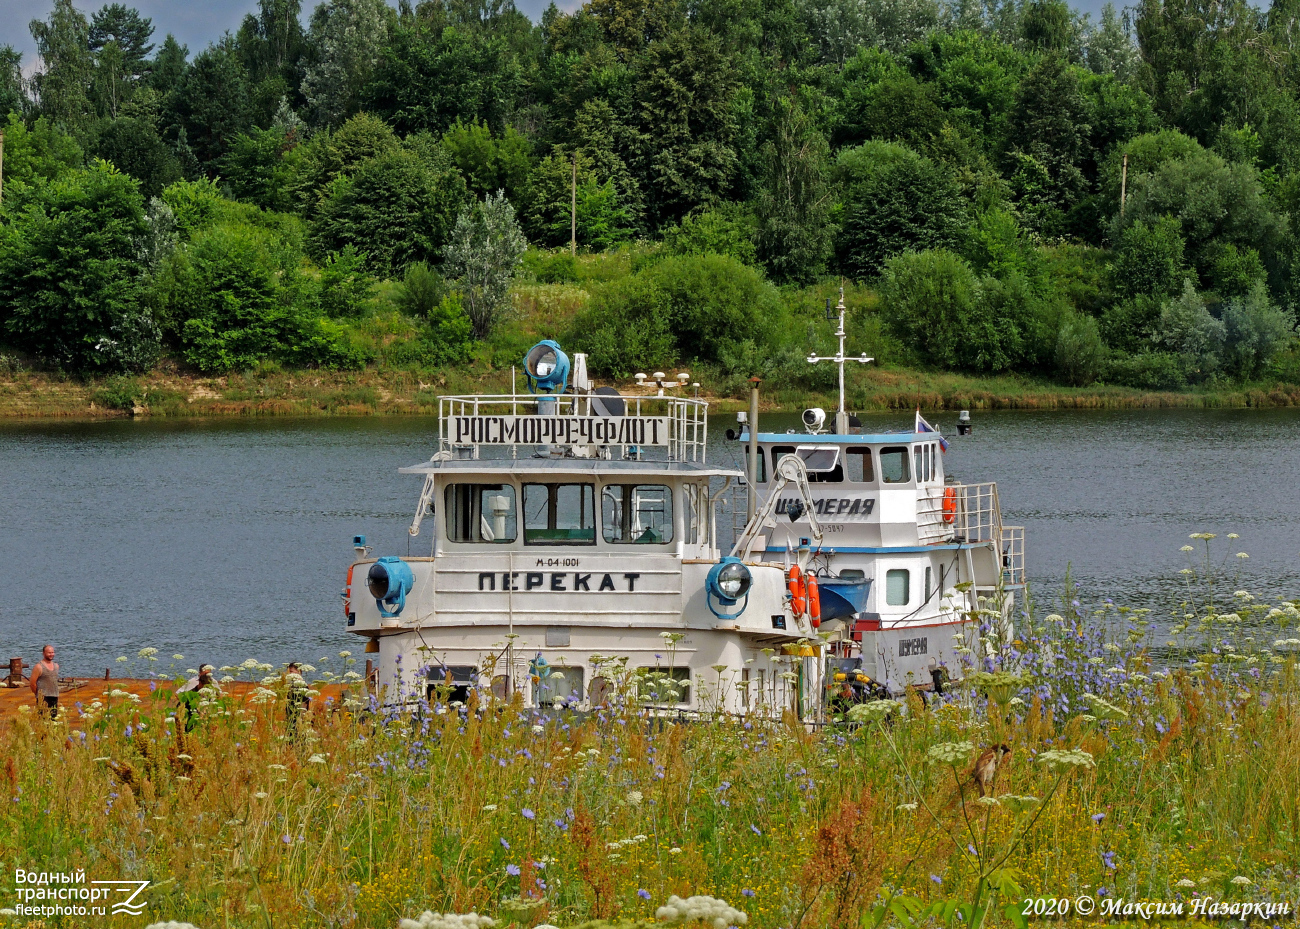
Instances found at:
x=229 y=539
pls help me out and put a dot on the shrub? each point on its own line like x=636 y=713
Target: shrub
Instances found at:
x=1132 y=325
x=443 y=339
x=1254 y=331
x=344 y=283
x=1187 y=327
x=725 y=230
x=483 y=253
x=928 y=299
x=1149 y=260
x=1146 y=371
x=118 y=393
x=551 y=267
x=680 y=309
x=1080 y=353
x=421 y=291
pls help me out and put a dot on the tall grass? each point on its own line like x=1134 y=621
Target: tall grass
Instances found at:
x=1189 y=785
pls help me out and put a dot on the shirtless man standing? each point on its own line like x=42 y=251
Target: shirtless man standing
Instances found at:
x=45 y=683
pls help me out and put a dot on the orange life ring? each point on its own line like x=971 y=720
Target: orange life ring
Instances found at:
x=814 y=601
x=798 y=590
x=949 y=505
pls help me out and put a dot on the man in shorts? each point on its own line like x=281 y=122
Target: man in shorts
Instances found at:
x=45 y=683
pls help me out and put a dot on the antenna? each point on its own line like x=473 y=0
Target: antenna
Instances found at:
x=841 y=417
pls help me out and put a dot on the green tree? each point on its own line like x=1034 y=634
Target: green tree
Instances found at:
x=328 y=155
x=729 y=229
x=119 y=41
x=168 y=65
x=1187 y=328
x=63 y=85
x=261 y=167
x=344 y=283
x=483 y=252
x=13 y=95
x=36 y=155
x=490 y=163
x=211 y=102
x=347 y=39
x=1254 y=331
x=70 y=276
x=428 y=80
x=685 y=89
x=1048 y=26
x=894 y=201
x=1149 y=259
x=395 y=208
x=1110 y=48
x=793 y=205
x=603 y=219
x=134 y=147
x=929 y=298
x=1080 y=353
x=1049 y=131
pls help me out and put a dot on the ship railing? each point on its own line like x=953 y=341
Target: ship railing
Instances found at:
x=649 y=428
x=1012 y=546
x=974 y=515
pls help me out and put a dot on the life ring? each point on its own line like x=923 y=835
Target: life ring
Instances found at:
x=814 y=601
x=794 y=582
x=949 y=504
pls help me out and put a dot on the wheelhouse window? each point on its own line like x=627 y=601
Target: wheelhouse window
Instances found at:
x=823 y=463
x=893 y=465
x=858 y=461
x=663 y=685
x=898 y=583
x=481 y=513
x=924 y=455
x=559 y=514
x=637 y=513
x=695 y=513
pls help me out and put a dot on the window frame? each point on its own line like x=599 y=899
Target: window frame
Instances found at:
x=452 y=509
x=552 y=491
x=907 y=586
x=625 y=504
x=905 y=457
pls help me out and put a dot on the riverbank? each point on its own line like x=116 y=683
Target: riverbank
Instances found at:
x=272 y=391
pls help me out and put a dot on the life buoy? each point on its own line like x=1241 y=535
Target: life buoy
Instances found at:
x=814 y=601
x=798 y=590
x=949 y=505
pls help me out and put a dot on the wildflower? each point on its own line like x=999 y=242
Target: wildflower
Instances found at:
x=146 y=653
x=505 y=844
x=747 y=893
x=178 y=657
x=261 y=795
x=950 y=753
x=1241 y=881
x=512 y=870
x=489 y=808
x=936 y=878
x=1185 y=883
x=429 y=920
x=634 y=797
x=1203 y=536
x=170 y=924
x=755 y=829
x=1243 y=556
x=908 y=807
x=674 y=850
x=643 y=894
x=1186 y=548
x=701 y=909
x=1098 y=817
x=1071 y=758
x=526 y=813
x=538 y=730
x=316 y=759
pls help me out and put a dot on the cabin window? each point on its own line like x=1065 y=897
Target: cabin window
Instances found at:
x=695 y=517
x=663 y=685
x=481 y=513
x=637 y=513
x=560 y=687
x=559 y=514
x=859 y=465
x=893 y=465
x=925 y=462
x=898 y=582
x=824 y=466
x=929 y=589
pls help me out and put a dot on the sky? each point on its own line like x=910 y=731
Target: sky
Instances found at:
x=195 y=23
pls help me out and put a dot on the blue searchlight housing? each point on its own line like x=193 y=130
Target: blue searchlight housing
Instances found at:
x=546 y=368
x=390 y=580
x=728 y=582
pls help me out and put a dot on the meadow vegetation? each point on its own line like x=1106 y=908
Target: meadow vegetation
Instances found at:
x=1153 y=758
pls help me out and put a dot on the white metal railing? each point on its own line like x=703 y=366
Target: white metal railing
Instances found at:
x=1012 y=545
x=975 y=514
x=671 y=428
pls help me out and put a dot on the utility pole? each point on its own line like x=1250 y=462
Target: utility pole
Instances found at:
x=1123 y=184
x=573 y=210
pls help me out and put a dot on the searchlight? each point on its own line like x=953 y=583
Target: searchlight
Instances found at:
x=728 y=582
x=390 y=580
x=546 y=368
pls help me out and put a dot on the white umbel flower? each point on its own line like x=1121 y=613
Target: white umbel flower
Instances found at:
x=429 y=920
x=171 y=925
x=701 y=909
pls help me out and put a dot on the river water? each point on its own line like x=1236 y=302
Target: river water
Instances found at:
x=228 y=539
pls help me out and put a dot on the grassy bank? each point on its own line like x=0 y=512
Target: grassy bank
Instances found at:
x=1126 y=780
x=271 y=391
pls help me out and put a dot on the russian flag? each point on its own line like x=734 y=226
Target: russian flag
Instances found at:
x=923 y=426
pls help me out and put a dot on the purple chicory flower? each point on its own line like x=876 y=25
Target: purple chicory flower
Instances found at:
x=526 y=813
x=936 y=878
x=512 y=870
x=747 y=893
x=757 y=831
x=643 y=894
x=505 y=844
x=1098 y=817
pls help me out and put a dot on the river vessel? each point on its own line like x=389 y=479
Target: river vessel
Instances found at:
x=575 y=557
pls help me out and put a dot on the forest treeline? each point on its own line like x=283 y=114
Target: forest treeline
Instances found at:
x=1014 y=187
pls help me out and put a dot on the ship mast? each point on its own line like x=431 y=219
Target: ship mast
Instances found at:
x=842 y=416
